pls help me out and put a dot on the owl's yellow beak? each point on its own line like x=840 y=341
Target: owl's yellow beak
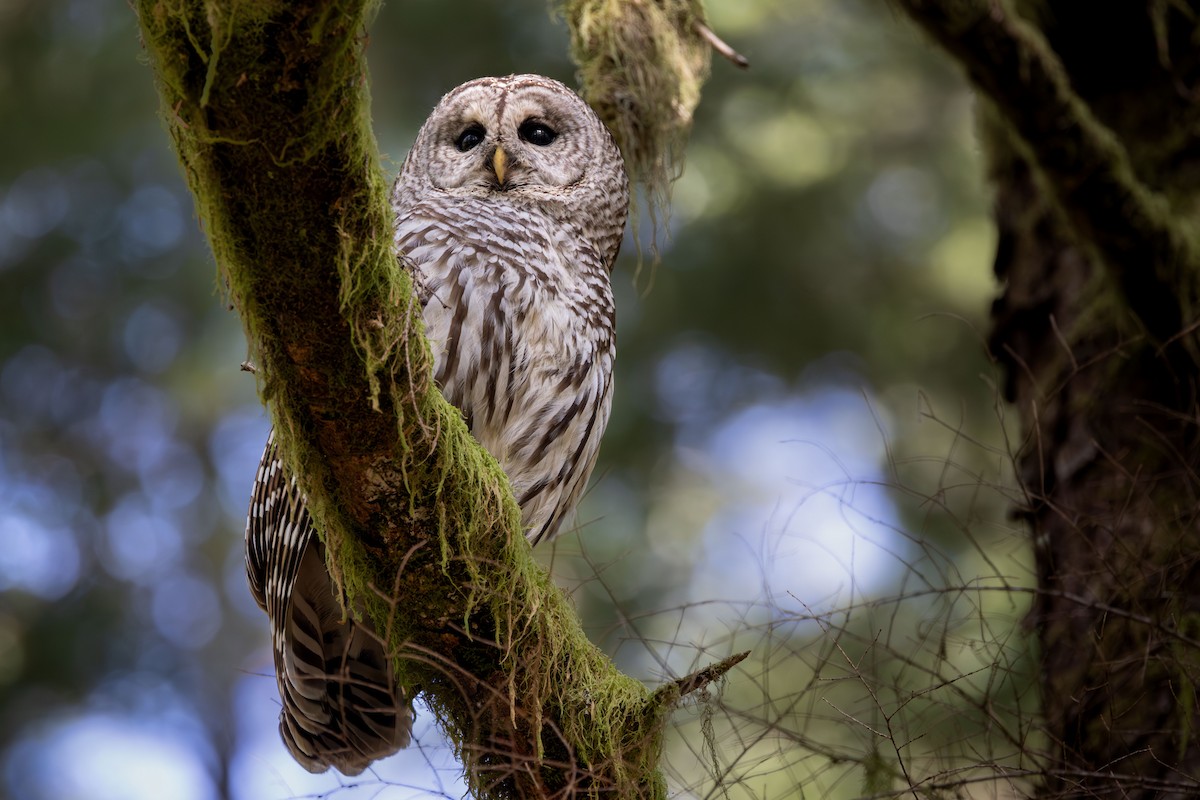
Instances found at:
x=499 y=162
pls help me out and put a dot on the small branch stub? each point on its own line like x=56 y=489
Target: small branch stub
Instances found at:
x=699 y=679
x=721 y=46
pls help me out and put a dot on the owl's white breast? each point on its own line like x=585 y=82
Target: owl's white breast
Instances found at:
x=520 y=321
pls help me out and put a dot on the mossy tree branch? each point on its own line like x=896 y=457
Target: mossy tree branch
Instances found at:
x=1089 y=125
x=1150 y=250
x=267 y=106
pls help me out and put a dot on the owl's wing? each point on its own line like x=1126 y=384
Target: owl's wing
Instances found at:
x=341 y=705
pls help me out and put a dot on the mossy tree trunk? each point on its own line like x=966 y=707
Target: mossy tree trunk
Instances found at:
x=267 y=105
x=1090 y=120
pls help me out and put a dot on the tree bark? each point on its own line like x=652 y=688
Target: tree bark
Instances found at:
x=1089 y=118
x=268 y=109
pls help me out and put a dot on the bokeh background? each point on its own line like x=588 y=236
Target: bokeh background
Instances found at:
x=805 y=424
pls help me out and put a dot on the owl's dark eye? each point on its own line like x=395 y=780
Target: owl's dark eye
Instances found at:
x=538 y=133
x=470 y=138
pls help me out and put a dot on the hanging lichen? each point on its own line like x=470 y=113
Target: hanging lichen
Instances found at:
x=642 y=64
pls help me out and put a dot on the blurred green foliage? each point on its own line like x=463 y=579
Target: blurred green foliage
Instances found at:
x=804 y=416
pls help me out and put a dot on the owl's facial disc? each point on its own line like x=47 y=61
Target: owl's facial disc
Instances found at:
x=532 y=141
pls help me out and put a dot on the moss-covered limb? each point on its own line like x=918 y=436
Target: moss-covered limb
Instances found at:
x=1107 y=427
x=267 y=105
x=1151 y=251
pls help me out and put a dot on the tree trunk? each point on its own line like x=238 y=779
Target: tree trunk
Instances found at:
x=1089 y=118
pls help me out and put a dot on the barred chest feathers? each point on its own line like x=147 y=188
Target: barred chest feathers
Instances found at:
x=521 y=325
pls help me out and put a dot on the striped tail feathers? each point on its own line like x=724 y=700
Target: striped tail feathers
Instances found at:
x=341 y=705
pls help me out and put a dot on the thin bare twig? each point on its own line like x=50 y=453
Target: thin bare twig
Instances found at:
x=721 y=46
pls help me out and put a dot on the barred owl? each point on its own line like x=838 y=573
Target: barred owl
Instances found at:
x=509 y=209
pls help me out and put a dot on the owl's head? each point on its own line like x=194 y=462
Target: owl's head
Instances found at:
x=525 y=137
